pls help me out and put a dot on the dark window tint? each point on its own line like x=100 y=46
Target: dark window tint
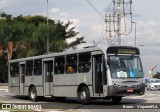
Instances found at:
x=71 y=63
x=59 y=65
x=14 y=68
x=29 y=68
x=84 y=62
x=37 y=67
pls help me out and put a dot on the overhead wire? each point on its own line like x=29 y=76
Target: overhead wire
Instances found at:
x=95 y=9
x=105 y=21
x=107 y=13
x=130 y=19
x=154 y=3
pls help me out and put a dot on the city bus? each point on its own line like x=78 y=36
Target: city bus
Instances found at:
x=86 y=74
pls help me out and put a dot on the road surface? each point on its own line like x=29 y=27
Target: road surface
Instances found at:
x=70 y=104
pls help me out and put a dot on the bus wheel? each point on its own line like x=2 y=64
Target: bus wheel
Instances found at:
x=116 y=99
x=33 y=94
x=84 y=95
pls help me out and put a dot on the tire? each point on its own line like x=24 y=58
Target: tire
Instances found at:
x=33 y=94
x=116 y=99
x=84 y=95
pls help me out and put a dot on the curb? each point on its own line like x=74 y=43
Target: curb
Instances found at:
x=4 y=90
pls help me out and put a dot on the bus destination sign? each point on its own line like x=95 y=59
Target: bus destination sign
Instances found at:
x=122 y=50
x=126 y=51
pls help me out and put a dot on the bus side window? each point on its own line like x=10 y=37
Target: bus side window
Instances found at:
x=71 y=63
x=38 y=67
x=29 y=68
x=59 y=65
x=84 y=62
x=14 y=69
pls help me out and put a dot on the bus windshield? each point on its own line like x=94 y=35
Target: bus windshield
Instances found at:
x=125 y=66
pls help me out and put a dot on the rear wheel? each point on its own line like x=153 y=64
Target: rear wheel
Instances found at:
x=116 y=99
x=33 y=94
x=84 y=95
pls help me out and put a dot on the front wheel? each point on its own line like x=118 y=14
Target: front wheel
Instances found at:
x=33 y=94
x=84 y=95
x=116 y=99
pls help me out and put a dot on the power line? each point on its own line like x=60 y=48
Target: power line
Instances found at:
x=154 y=3
x=95 y=9
x=104 y=23
x=109 y=6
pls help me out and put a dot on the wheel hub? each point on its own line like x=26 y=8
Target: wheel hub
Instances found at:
x=32 y=94
x=83 y=95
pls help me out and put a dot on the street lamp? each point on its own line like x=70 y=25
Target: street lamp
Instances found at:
x=135 y=33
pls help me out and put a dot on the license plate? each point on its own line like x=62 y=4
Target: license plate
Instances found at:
x=129 y=90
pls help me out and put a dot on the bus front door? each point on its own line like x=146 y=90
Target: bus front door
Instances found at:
x=22 y=78
x=48 y=77
x=97 y=75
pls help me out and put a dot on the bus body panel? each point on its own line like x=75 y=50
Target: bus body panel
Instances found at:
x=15 y=85
x=98 y=79
x=70 y=82
x=36 y=81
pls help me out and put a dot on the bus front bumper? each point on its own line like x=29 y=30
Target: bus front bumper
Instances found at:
x=116 y=91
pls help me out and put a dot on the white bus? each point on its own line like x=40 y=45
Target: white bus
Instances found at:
x=90 y=73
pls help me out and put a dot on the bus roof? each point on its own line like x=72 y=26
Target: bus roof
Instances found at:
x=86 y=49
x=60 y=54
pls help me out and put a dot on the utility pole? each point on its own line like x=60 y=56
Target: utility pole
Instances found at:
x=47 y=31
x=110 y=35
x=135 y=33
x=113 y=22
x=119 y=21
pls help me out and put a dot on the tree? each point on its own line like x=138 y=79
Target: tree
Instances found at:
x=29 y=35
x=157 y=75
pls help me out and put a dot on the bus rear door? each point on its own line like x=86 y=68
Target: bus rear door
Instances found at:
x=97 y=73
x=22 y=77
x=48 y=76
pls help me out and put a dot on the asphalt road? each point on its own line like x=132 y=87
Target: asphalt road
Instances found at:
x=70 y=104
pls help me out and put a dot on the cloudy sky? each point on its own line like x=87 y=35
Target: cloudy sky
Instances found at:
x=91 y=25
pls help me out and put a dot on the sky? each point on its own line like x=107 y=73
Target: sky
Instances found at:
x=91 y=25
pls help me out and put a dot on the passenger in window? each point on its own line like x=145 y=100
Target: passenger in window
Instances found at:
x=87 y=67
x=39 y=72
x=81 y=68
x=122 y=63
x=70 y=69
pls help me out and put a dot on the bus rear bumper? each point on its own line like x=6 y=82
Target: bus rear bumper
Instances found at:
x=116 y=91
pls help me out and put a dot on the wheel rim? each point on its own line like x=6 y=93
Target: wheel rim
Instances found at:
x=33 y=94
x=83 y=95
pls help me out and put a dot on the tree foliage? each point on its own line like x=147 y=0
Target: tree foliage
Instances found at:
x=29 y=35
x=157 y=75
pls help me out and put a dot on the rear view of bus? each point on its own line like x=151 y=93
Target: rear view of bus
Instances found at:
x=124 y=71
